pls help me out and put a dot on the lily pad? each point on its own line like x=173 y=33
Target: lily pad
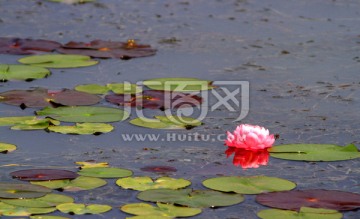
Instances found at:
x=146 y=183
x=5 y=147
x=78 y=184
x=124 y=88
x=80 y=209
x=315 y=152
x=155 y=99
x=43 y=174
x=22 y=72
x=178 y=84
x=15 y=190
x=35 y=124
x=314 y=198
x=161 y=210
x=92 y=88
x=105 y=172
x=41 y=97
x=83 y=129
x=167 y=122
x=91 y=164
x=304 y=213
x=47 y=217
x=18 y=46
x=84 y=114
x=11 y=210
x=108 y=49
x=49 y=200
x=191 y=198
x=58 y=61
x=248 y=184
x=13 y=120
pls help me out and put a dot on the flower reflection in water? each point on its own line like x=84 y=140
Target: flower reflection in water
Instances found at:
x=248 y=158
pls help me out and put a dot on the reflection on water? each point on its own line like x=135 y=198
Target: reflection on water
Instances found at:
x=248 y=158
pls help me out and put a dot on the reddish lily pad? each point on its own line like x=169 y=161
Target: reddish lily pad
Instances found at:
x=156 y=99
x=108 y=49
x=41 y=97
x=158 y=169
x=314 y=198
x=18 y=46
x=43 y=174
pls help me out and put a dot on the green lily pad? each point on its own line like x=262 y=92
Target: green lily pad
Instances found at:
x=13 y=120
x=80 y=209
x=315 y=152
x=178 y=84
x=304 y=213
x=78 y=184
x=22 y=72
x=16 y=190
x=191 y=198
x=47 y=217
x=105 y=172
x=11 y=210
x=35 y=124
x=145 y=183
x=167 y=122
x=84 y=114
x=162 y=210
x=249 y=184
x=58 y=61
x=83 y=128
x=91 y=164
x=5 y=147
x=92 y=88
x=124 y=88
x=49 y=200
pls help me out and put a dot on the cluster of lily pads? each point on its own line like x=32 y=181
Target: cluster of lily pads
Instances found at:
x=172 y=196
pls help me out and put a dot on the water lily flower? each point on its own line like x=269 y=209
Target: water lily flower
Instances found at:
x=248 y=158
x=250 y=137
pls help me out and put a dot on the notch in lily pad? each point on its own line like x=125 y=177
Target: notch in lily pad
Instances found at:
x=58 y=61
x=159 y=211
x=315 y=152
x=191 y=198
x=22 y=72
x=145 y=183
x=167 y=122
x=248 y=184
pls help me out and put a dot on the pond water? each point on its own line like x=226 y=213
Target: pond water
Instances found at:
x=301 y=59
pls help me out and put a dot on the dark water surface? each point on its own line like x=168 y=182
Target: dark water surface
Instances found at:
x=302 y=59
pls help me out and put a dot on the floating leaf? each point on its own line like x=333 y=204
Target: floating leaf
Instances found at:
x=146 y=183
x=315 y=152
x=15 y=190
x=248 y=184
x=43 y=174
x=58 y=61
x=84 y=114
x=80 y=209
x=124 y=88
x=18 y=46
x=304 y=213
x=5 y=147
x=35 y=124
x=47 y=217
x=49 y=200
x=41 y=97
x=78 y=184
x=105 y=172
x=167 y=122
x=13 y=120
x=91 y=164
x=92 y=88
x=158 y=169
x=162 y=210
x=178 y=84
x=191 y=198
x=83 y=128
x=155 y=99
x=11 y=210
x=108 y=49
x=22 y=72
x=314 y=198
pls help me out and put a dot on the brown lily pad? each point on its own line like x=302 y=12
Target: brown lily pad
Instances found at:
x=314 y=198
x=108 y=49
x=18 y=46
x=41 y=97
x=43 y=174
x=155 y=99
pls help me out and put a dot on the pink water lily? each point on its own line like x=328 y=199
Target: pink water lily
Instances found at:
x=250 y=137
